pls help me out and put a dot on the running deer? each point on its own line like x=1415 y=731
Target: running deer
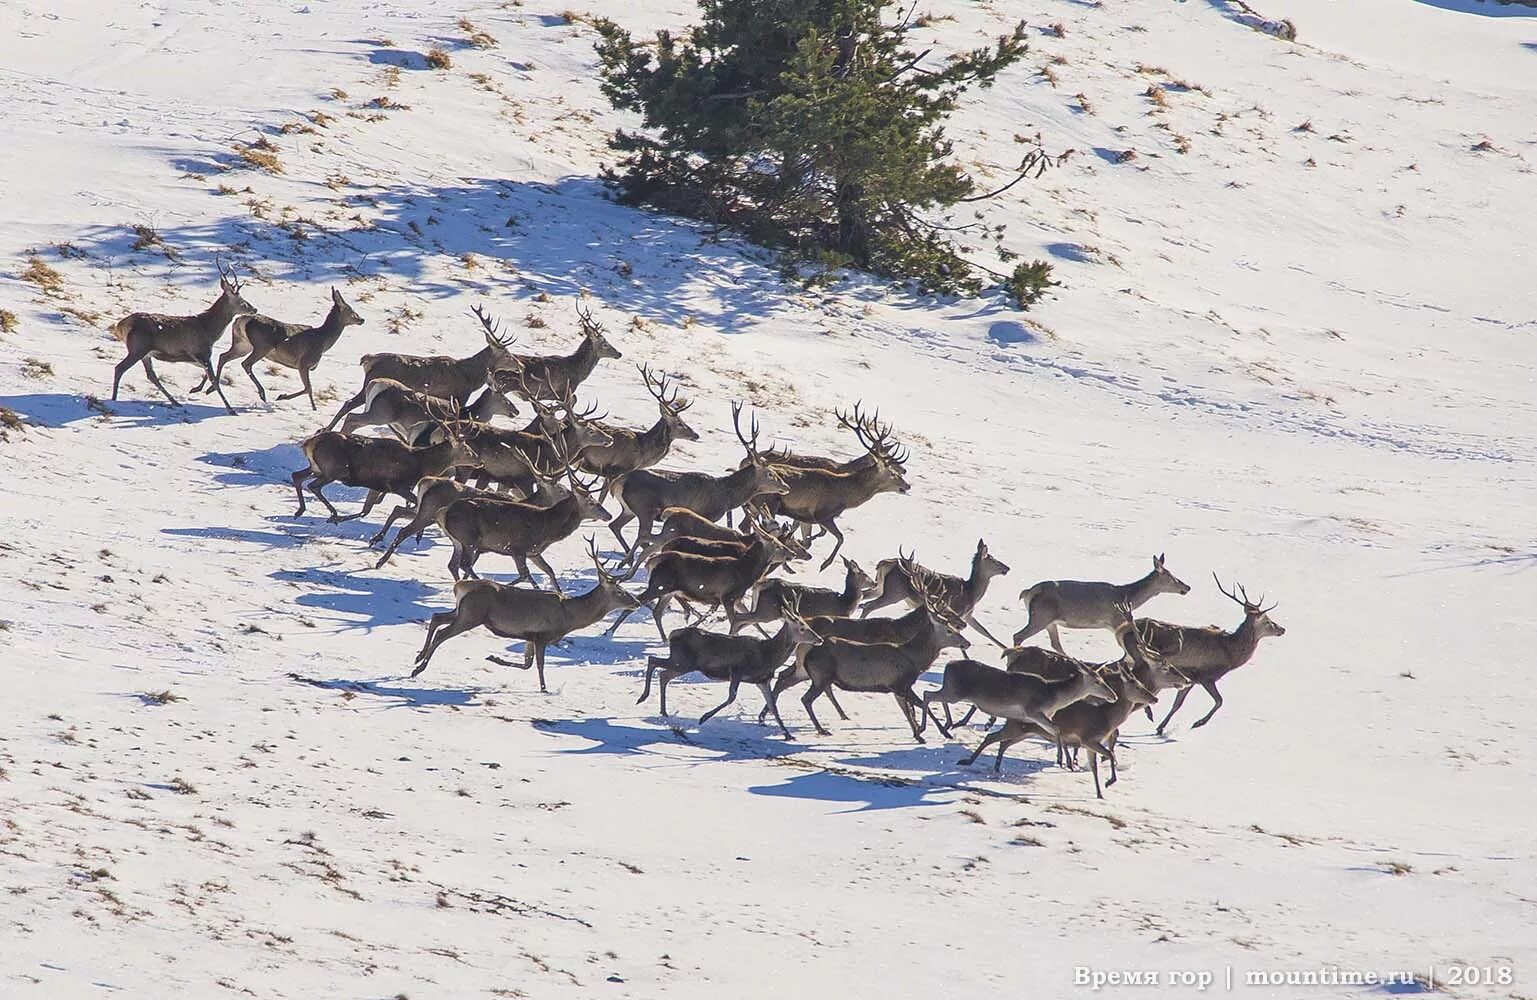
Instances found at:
x=433 y=493
x=538 y=617
x=633 y=450
x=710 y=579
x=1209 y=654
x=404 y=410
x=894 y=581
x=732 y=658
x=381 y=465
x=556 y=377
x=292 y=345
x=522 y=530
x=784 y=459
x=1017 y=696
x=1080 y=604
x=438 y=375
x=890 y=669
x=773 y=599
x=820 y=496
x=646 y=493
x=152 y=337
x=505 y=454
x=680 y=522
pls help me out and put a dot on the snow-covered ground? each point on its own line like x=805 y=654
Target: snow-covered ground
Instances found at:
x=1300 y=354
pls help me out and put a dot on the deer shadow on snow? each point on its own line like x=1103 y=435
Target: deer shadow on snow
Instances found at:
x=60 y=409
x=361 y=600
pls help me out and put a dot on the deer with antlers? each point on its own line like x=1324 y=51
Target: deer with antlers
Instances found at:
x=902 y=579
x=152 y=337
x=644 y=494
x=433 y=493
x=522 y=530
x=292 y=345
x=438 y=375
x=1209 y=654
x=773 y=598
x=1054 y=604
x=538 y=617
x=732 y=658
x=557 y=376
x=405 y=411
x=632 y=450
x=381 y=465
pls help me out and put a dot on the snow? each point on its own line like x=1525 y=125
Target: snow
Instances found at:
x=1300 y=358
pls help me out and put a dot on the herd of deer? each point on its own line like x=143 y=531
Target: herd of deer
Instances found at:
x=516 y=492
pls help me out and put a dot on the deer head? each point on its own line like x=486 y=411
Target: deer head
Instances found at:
x=876 y=437
x=611 y=584
x=1255 y=615
x=593 y=331
x=1165 y=582
x=984 y=565
x=671 y=409
x=229 y=290
x=764 y=476
x=501 y=357
x=348 y=316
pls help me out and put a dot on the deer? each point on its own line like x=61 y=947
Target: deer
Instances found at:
x=438 y=375
x=895 y=580
x=292 y=345
x=380 y=465
x=1209 y=654
x=773 y=598
x=505 y=454
x=1078 y=604
x=633 y=450
x=1017 y=696
x=645 y=493
x=783 y=458
x=680 y=522
x=555 y=377
x=820 y=496
x=538 y=617
x=152 y=337
x=734 y=659
x=522 y=530
x=393 y=404
x=433 y=493
x=709 y=579
x=880 y=667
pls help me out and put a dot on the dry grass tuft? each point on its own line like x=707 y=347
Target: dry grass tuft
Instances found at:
x=1157 y=95
x=438 y=59
x=45 y=277
x=8 y=321
x=477 y=37
x=166 y=697
x=36 y=368
x=261 y=154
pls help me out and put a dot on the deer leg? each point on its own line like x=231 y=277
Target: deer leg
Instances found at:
x=811 y=696
x=398 y=512
x=372 y=500
x=831 y=529
x=1179 y=699
x=1099 y=792
x=316 y=485
x=965 y=719
x=1056 y=638
x=123 y=366
x=787 y=679
x=771 y=703
x=943 y=729
x=657 y=611
x=149 y=369
x=623 y=518
x=907 y=713
x=730 y=697
x=224 y=359
x=653 y=664
x=1110 y=746
x=538 y=646
x=972 y=621
x=538 y=560
x=668 y=676
x=467 y=559
x=249 y=364
x=1211 y=689
x=298 y=478
x=348 y=405
x=218 y=386
x=304 y=379
x=987 y=741
x=836 y=707
x=437 y=636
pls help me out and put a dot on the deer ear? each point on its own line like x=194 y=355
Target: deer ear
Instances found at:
x=1158 y=561
x=335 y=295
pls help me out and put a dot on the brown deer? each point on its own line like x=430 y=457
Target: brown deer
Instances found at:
x=646 y=493
x=633 y=450
x=538 y=617
x=381 y=465
x=292 y=345
x=393 y=404
x=557 y=377
x=680 y=522
x=522 y=530
x=1055 y=604
x=433 y=493
x=895 y=581
x=505 y=454
x=731 y=658
x=1017 y=696
x=773 y=599
x=152 y=337
x=438 y=375
x=1209 y=654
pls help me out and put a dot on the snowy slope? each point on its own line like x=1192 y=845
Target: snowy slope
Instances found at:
x=1301 y=357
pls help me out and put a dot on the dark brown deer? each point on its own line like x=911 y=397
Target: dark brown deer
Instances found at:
x=433 y=493
x=438 y=375
x=538 y=617
x=292 y=345
x=1209 y=654
x=680 y=522
x=393 y=404
x=633 y=450
x=646 y=493
x=731 y=658
x=774 y=597
x=1055 y=604
x=381 y=465
x=894 y=581
x=152 y=337
x=557 y=377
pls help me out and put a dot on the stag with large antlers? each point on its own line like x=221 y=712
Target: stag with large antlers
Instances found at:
x=1054 y=604
x=381 y=465
x=732 y=658
x=152 y=337
x=633 y=450
x=522 y=530
x=1208 y=654
x=292 y=345
x=898 y=580
x=557 y=377
x=644 y=494
x=446 y=378
x=538 y=617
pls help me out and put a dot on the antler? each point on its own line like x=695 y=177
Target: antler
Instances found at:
x=603 y=573
x=657 y=385
x=1242 y=598
x=875 y=436
x=590 y=326
x=750 y=443
x=493 y=328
